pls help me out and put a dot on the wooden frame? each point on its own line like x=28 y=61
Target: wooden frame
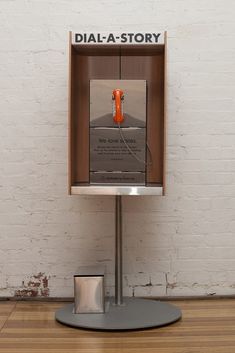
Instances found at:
x=116 y=62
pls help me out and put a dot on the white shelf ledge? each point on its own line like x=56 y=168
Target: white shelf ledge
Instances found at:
x=156 y=190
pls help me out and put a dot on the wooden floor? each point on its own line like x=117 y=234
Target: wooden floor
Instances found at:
x=207 y=326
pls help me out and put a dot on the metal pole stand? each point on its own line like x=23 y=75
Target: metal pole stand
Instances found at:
x=123 y=313
x=118 y=251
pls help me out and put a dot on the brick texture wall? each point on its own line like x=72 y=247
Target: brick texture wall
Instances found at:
x=181 y=244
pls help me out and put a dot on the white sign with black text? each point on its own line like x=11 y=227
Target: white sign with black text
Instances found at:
x=118 y=38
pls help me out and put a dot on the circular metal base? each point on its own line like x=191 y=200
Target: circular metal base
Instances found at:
x=132 y=315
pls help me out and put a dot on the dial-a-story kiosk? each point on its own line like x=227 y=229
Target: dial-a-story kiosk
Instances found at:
x=117 y=139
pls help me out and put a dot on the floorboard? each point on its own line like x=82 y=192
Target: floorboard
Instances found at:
x=207 y=326
x=6 y=307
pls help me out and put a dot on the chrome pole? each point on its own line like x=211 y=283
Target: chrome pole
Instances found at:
x=118 y=250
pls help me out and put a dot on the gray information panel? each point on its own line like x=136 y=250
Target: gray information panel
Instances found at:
x=108 y=152
x=117 y=152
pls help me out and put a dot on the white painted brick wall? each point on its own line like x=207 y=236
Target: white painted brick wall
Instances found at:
x=181 y=244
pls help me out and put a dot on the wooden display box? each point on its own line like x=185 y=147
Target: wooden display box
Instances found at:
x=145 y=62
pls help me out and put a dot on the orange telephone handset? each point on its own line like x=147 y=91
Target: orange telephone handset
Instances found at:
x=118 y=98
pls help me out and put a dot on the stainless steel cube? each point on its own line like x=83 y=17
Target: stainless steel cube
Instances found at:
x=89 y=294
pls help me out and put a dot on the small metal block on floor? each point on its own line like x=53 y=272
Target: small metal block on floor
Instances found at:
x=134 y=314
